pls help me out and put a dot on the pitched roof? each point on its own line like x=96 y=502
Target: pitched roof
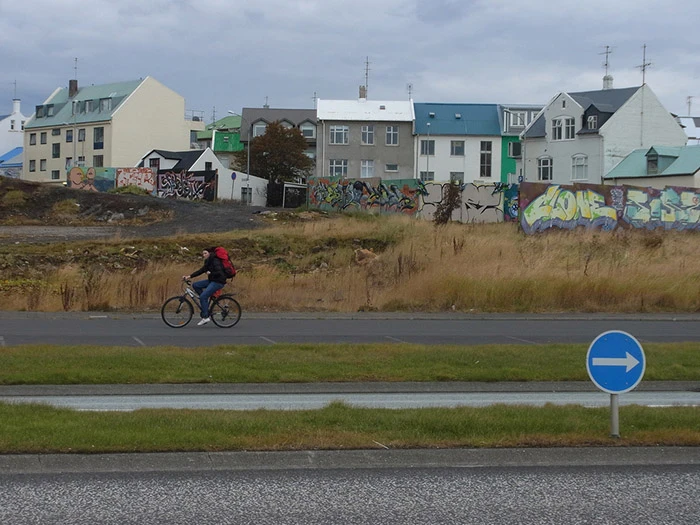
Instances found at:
x=185 y=159
x=13 y=154
x=634 y=165
x=268 y=115
x=223 y=124
x=63 y=104
x=691 y=126
x=457 y=119
x=364 y=110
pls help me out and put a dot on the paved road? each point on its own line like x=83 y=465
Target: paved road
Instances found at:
x=149 y=330
x=520 y=486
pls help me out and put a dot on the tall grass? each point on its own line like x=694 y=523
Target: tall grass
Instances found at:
x=313 y=266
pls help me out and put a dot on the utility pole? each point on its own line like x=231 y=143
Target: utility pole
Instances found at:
x=644 y=65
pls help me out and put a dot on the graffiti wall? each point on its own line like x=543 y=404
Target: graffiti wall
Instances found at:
x=372 y=195
x=106 y=179
x=547 y=206
x=192 y=185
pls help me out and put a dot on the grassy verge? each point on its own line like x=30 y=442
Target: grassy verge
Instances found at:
x=298 y=363
x=40 y=429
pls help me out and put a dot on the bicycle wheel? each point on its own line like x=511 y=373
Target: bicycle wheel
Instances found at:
x=225 y=311
x=177 y=311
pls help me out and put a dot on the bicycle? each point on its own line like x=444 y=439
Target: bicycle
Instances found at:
x=178 y=311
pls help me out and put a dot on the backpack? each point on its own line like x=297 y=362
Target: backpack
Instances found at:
x=229 y=268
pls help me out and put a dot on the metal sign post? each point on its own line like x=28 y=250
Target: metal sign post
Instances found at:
x=233 y=181
x=615 y=363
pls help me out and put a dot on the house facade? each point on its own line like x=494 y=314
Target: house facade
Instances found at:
x=224 y=138
x=514 y=119
x=579 y=137
x=12 y=128
x=365 y=139
x=103 y=126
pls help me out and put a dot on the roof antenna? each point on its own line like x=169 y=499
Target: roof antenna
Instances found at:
x=366 y=75
x=607 y=79
x=75 y=69
x=409 y=88
x=644 y=65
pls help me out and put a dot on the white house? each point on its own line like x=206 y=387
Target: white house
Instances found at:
x=12 y=129
x=580 y=137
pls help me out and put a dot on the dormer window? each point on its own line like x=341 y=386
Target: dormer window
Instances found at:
x=308 y=130
x=652 y=164
x=105 y=104
x=259 y=129
x=592 y=122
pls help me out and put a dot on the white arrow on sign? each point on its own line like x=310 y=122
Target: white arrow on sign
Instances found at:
x=628 y=361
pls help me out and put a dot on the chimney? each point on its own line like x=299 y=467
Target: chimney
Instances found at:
x=15 y=105
x=363 y=92
x=607 y=82
x=72 y=87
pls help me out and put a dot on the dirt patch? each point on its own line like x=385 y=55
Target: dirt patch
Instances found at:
x=32 y=212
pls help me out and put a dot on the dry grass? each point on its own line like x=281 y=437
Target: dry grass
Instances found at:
x=312 y=265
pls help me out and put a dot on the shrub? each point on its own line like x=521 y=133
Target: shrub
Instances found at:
x=14 y=198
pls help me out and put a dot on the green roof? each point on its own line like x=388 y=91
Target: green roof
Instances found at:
x=62 y=105
x=634 y=165
x=225 y=124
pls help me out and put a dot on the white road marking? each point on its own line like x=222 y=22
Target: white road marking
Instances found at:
x=2 y=341
x=139 y=341
x=268 y=340
x=521 y=340
x=395 y=339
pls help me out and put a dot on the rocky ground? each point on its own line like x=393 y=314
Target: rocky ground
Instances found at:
x=32 y=212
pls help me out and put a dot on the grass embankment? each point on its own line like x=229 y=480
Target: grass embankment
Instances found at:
x=313 y=265
x=40 y=429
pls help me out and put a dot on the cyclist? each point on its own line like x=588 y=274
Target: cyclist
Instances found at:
x=216 y=279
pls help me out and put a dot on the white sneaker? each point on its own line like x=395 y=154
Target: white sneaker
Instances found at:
x=204 y=320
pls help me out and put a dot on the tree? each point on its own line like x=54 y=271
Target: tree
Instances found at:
x=451 y=200
x=278 y=155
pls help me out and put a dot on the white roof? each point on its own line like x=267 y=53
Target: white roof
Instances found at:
x=365 y=110
x=691 y=126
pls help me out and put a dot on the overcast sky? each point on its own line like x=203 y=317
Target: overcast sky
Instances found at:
x=228 y=54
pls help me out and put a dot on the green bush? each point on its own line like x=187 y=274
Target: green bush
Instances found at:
x=14 y=198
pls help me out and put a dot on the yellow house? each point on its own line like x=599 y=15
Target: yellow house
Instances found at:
x=110 y=125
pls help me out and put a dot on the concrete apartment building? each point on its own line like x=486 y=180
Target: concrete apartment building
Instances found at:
x=365 y=138
x=109 y=125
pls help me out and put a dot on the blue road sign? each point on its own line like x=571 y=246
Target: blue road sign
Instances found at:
x=615 y=362
x=233 y=175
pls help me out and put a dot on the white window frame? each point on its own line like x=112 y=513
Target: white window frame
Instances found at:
x=544 y=168
x=427 y=176
x=366 y=169
x=511 y=146
x=427 y=147
x=579 y=167
x=391 y=168
x=518 y=119
x=455 y=147
x=486 y=159
x=569 y=128
x=105 y=104
x=259 y=129
x=392 y=135
x=367 y=135
x=338 y=167
x=592 y=122
x=308 y=130
x=339 y=135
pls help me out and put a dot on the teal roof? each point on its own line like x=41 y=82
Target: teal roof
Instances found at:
x=457 y=119
x=634 y=165
x=63 y=104
x=224 y=124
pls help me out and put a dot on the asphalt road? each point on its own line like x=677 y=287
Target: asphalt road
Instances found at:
x=149 y=330
x=520 y=486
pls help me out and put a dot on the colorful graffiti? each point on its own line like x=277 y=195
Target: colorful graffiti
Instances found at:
x=480 y=202
x=106 y=179
x=192 y=185
x=608 y=207
x=143 y=178
x=395 y=196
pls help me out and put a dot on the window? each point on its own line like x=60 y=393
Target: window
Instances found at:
x=544 y=168
x=391 y=167
x=259 y=129
x=563 y=128
x=56 y=132
x=55 y=174
x=652 y=164
x=88 y=106
x=485 y=159
x=81 y=135
x=457 y=148
x=338 y=167
x=42 y=165
x=69 y=135
x=517 y=119
x=427 y=176
x=515 y=150
x=579 y=167
x=32 y=165
x=43 y=137
x=98 y=161
x=23 y=125
x=247 y=195
x=392 y=135
x=592 y=122
x=98 y=135
x=563 y=103
x=105 y=104
x=339 y=134
x=368 y=135
x=308 y=130
x=56 y=150
x=40 y=111
x=367 y=169
x=49 y=110
x=81 y=160
x=154 y=163
x=32 y=139
x=427 y=148
x=457 y=177
x=69 y=163
x=12 y=124
x=208 y=166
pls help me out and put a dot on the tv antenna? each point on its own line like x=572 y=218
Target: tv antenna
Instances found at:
x=409 y=88
x=75 y=69
x=608 y=51
x=366 y=75
x=645 y=65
